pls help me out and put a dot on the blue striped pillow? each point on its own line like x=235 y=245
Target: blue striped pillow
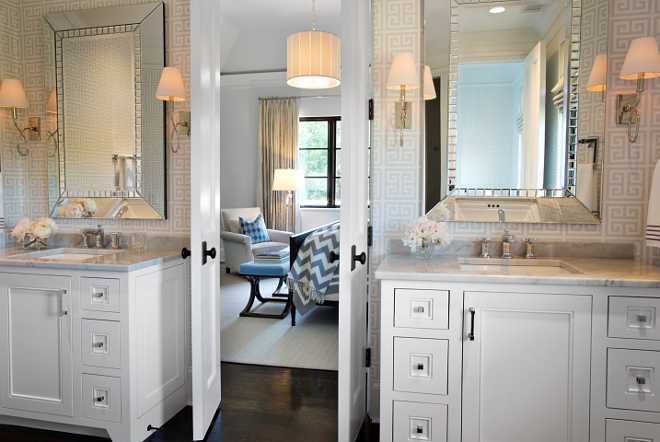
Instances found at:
x=255 y=229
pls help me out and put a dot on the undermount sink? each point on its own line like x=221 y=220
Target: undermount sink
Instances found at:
x=528 y=267
x=65 y=254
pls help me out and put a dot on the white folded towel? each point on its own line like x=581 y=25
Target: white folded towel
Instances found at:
x=653 y=217
x=2 y=207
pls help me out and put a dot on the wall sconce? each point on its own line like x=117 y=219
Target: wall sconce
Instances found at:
x=51 y=108
x=170 y=87
x=598 y=77
x=403 y=76
x=289 y=180
x=642 y=61
x=13 y=95
x=429 y=87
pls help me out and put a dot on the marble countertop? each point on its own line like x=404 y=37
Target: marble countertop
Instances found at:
x=122 y=260
x=580 y=271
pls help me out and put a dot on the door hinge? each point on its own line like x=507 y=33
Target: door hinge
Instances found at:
x=371 y=109
x=370 y=236
x=368 y=361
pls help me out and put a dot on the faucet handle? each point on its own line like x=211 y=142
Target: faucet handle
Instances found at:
x=529 y=240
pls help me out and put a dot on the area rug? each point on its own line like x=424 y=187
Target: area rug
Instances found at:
x=312 y=343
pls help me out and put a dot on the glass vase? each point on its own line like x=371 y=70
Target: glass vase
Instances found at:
x=35 y=244
x=425 y=251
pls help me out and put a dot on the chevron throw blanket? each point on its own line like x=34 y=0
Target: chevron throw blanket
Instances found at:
x=312 y=272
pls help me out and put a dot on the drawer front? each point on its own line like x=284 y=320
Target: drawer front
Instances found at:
x=101 y=343
x=421 y=308
x=635 y=318
x=101 y=398
x=626 y=431
x=632 y=380
x=101 y=294
x=416 y=421
x=420 y=365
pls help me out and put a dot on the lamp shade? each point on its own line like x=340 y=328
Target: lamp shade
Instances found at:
x=51 y=106
x=429 y=87
x=642 y=60
x=289 y=180
x=12 y=94
x=403 y=73
x=170 y=86
x=313 y=60
x=598 y=77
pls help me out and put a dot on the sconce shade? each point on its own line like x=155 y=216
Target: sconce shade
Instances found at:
x=429 y=87
x=313 y=60
x=598 y=77
x=642 y=60
x=170 y=86
x=288 y=179
x=403 y=73
x=51 y=106
x=12 y=94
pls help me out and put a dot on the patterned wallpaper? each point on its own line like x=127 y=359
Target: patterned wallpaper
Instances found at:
x=99 y=108
x=397 y=170
x=25 y=179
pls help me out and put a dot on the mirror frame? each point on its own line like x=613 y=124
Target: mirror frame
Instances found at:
x=571 y=107
x=114 y=23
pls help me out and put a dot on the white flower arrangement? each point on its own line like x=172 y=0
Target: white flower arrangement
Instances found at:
x=423 y=230
x=34 y=230
x=78 y=208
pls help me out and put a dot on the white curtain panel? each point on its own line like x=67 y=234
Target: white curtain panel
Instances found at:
x=278 y=149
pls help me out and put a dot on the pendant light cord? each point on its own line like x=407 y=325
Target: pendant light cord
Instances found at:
x=313 y=15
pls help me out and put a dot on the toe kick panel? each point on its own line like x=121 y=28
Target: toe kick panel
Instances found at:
x=420 y=365
x=416 y=421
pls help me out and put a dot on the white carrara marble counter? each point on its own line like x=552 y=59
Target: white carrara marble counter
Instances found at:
x=121 y=260
x=576 y=271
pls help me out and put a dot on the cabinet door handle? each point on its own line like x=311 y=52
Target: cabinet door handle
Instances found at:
x=100 y=399
x=641 y=380
x=63 y=302
x=420 y=430
x=641 y=318
x=472 y=313
x=98 y=344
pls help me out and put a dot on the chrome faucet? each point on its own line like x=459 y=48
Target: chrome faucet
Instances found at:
x=507 y=240
x=502 y=214
x=100 y=237
x=485 y=247
x=530 y=247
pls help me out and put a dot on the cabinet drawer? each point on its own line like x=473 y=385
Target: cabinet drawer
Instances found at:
x=416 y=421
x=101 y=343
x=635 y=318
x=101 y=398
x=420 y=365
x=626 y=431
x=100 y=294
x=421 y=308
x=632 y=380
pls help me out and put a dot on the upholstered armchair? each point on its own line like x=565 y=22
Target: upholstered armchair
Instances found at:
x=238 y=247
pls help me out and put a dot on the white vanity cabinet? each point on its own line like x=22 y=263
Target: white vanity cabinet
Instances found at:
x=476 y=359
x=93 y=352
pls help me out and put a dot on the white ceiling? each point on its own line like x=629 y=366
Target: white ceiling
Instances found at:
x=260 y=28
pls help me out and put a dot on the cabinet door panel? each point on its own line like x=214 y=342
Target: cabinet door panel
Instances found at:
x=526 y=373
x=35 y=344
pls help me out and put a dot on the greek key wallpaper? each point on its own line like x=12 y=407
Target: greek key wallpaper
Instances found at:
x=21 y=57
x=397 y=174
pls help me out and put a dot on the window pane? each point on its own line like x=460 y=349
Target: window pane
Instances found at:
x=313 y=134
x=338 y=135
x=338 y=163
x=337 y=191
x=314 y=162
x=316 y=192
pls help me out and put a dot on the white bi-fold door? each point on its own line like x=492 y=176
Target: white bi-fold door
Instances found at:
x=526 y=367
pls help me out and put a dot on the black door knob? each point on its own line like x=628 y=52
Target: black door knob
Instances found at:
x=185 y=253
x=207 y=253
x=361 y=258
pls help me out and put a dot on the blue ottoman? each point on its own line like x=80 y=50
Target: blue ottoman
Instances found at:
x=255 y=272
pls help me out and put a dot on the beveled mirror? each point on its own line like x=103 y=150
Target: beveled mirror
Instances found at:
x=508 y=73
x=106 y=141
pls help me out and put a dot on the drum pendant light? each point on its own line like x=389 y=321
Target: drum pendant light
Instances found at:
x=313 y=58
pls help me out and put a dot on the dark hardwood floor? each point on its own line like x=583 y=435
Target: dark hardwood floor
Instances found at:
x=259 y=403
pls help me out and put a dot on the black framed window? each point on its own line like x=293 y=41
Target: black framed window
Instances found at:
x=319 y=156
